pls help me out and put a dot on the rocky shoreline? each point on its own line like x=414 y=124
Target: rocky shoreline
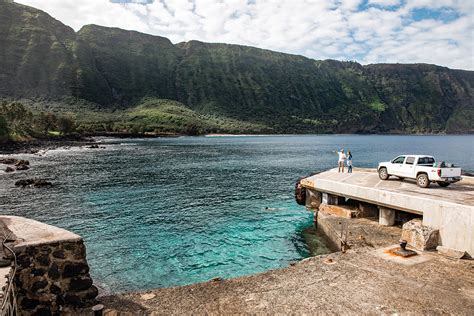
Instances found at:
x=34 y=146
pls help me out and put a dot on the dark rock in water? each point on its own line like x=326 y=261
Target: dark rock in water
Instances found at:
x=8 y=161
x=9 y=169
x=22 y=167
x=24 y=182
x=42 y=183
x=95 y=146
x=22 y=162
x=217 y=279
x=32 y=183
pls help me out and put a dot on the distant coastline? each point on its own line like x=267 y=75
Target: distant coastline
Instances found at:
x=35 y=145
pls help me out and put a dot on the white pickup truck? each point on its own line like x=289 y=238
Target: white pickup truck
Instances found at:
x=423 y=168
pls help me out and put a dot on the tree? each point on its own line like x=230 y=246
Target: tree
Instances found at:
x=4 y=134
x=46 y=122
x=66 y=125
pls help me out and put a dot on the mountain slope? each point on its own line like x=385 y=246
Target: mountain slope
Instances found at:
x=115 y=69
x=36 y=55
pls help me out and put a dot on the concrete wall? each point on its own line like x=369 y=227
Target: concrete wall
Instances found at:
x=52 y=271
x=455 y=224
x=327 y=229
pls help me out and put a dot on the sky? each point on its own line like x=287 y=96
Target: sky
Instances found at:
x=367 y=31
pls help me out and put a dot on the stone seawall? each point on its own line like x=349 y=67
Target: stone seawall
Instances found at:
x=52 y=272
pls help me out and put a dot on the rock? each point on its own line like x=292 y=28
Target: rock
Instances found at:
x=75 y=269
x=73 y=300
x=217 y=279
x=55 y=289
x=22 y=162
x=43 y=311
x=42 y=183
x=53 y=272
x=24 y=182
x=39 y=285
x=450 y=252
x=22 y=167
x=8 y=161
x=43 y=260
x=147 y=296
x=38 y=272
x=23 y=261
x=92 y=292
x=9 y=169
x=95 y=146
x=59 y=254
x=32 y=183
x=419 y=236
x=29 y=304
x=80 y=284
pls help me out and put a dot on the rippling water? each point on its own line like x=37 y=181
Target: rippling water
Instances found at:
x=171 y=211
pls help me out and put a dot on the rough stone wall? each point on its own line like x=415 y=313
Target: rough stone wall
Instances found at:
x=53 y=278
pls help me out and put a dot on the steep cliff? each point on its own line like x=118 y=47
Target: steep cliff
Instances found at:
x=115 y=69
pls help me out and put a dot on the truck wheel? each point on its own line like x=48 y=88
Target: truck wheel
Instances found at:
x=383 y=174
x=422 y=180
x=443 y=184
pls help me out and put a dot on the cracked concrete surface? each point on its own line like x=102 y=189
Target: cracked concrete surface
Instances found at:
x=357 y=281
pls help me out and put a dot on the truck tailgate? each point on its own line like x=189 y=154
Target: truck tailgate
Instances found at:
x=450 y=172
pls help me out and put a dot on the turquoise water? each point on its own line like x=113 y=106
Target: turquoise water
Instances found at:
x=171 y=211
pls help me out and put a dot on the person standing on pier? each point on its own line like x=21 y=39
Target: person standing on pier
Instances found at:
x=349 y=161
x=340 y=162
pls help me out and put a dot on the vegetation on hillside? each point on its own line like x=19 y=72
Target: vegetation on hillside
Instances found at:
x=19 y=123
x=161 y=116
x=121 y=81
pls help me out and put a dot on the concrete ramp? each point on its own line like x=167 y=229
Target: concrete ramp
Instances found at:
x=451 y=209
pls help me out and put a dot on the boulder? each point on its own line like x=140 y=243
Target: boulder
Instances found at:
x=22 y=162
x=9 y=169
x=32 y=183
x=41 y=183
x=8 y=161
x=22 y=167
x=419 y=236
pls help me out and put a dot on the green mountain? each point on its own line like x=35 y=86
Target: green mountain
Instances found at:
x=104 y=75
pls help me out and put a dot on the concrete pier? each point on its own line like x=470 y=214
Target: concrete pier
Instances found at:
x=386 y=216
x=451 y=209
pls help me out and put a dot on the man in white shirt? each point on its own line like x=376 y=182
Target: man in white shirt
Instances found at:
x=340 y=162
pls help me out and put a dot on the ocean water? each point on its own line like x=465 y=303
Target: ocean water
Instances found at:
x=172 y=211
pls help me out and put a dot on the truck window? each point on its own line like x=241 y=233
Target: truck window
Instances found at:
x=426 y=161
x=399 y=159
x=410 y=160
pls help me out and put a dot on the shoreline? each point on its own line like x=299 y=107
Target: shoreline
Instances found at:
x=33 y=146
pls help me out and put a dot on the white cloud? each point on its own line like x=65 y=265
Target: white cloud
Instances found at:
x=385 y=31
x=385 y=3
